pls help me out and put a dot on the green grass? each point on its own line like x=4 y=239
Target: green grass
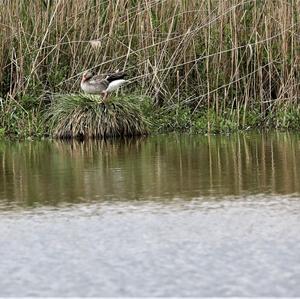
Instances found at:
x=18 y=122
x=85 y=116
x=180 y=118
x=2 y=133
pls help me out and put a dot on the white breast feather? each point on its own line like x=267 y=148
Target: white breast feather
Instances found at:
x=115 y=85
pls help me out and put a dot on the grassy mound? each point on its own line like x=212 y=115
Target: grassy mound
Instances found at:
x=86 y=116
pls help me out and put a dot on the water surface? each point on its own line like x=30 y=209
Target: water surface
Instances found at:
x=160 y=216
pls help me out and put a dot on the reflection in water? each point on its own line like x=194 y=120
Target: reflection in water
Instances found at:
x=161 y=216
x=160 y=167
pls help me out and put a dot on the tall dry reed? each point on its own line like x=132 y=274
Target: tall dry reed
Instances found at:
x=212 y=54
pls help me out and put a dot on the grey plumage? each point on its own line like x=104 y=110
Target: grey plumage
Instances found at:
x=102 y=84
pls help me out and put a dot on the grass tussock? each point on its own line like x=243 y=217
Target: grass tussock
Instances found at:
x=86 y=116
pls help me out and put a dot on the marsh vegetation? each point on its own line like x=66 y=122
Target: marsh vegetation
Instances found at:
x=85 y=116
x=201 y=66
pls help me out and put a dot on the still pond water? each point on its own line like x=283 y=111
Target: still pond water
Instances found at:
x=160 y=216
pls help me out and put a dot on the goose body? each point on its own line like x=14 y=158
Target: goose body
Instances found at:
x=102 y=85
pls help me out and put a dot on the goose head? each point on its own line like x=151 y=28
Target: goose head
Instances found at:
x=86 y=76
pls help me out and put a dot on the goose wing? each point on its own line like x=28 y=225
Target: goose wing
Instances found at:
x=100 y=81
x=115 y=76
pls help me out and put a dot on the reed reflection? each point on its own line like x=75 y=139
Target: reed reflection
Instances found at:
x=155 y=168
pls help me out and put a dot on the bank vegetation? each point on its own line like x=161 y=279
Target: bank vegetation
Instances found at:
x=195 y=65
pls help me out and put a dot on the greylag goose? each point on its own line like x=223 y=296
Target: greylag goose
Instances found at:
x=102 y=84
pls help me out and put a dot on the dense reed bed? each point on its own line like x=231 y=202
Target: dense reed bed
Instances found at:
x=225 y=59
